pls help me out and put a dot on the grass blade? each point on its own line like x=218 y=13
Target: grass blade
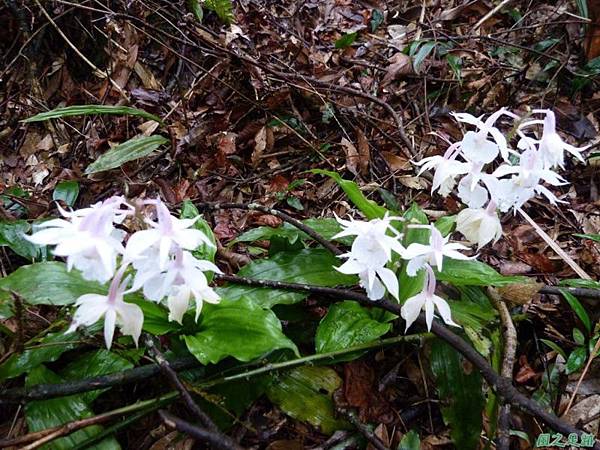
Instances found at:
x=84 y=110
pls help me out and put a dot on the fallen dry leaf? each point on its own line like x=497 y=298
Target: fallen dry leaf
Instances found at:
x=352 y=156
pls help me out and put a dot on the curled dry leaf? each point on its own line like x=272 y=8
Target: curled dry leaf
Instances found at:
x=263 y=141
x=400 y=64
x=364 y=153
x=352 y=156
x=396 y=162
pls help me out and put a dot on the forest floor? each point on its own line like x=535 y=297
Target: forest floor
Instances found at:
x=363 y=88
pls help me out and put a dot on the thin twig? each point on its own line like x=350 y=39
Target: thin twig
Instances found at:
x=559 y=251
x=171 y=375
x=283 y=216
x=508 y=361
x=493 y=11
x=44 y=436
x=216 y=440
x=362 y=429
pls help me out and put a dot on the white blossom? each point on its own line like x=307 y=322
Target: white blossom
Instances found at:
x=88 y=240
x=427 y=300
x=479 y=225
x=182 y=280
x=165 y=235
x=92 y=307
x=421 y=255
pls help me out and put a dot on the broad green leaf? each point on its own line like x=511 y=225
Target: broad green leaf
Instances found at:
x=42 y=414
x=461 y=394
x=422 y=53
x=189 y=211
x=346 y=40
x=84 y=110
x=156 y=316
x=67 y=191
x=92 y=364
x=240 y=329
x=410 y=441
x=47 y=349
x=347 y=324
x=12 y=235
x=135 y=148
x=576 y=360
x=311 y=266
x=475 y=313
x=578 y=308
x=305 y=393
x=196 y=9
x=455 y=63
x=49 y=283
x=445 y=225
x=368 y=207
x=6 y=305
x=473 y=273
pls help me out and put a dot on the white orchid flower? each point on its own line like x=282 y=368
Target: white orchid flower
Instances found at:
x=475 y=146
x=471 y=193
x=182 y=280
x=479 y=225
x=446 y=168
x=89 y=241
x=529 y=173
x=427 y=300
x=420 y=255
x=375 y=229
x=92 y=307
x=367 y=259
x=165 y=234
x=551 y=145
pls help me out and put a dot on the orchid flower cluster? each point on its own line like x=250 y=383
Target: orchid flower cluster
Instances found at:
x=518 y=178
x=157 y=260
x=372 y=250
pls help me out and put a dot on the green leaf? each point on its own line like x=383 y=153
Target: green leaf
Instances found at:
x=593 y=237
x=455 y=63
x=223 y=8
x=135 y=148
x=295 y=203
x=368 y=207
x=305 y=393
x=410 y=441
x=347 y=324
x=42 y=414
x=474 y=273
x=311 y=266
x=196 y=9
x=576 y=360
x=422 y=53
x=67 y=191
x=578 y=336
x=12 y=235
x=460 y=392
x=240 y=329
x=578 y=309
x=47 y=349
x=445 y=225
x=346 y=40
x=49 y=283
x=92 y=364
x=376 y=19
x=579 y=283
x=156 y=316
x=189 y=211
x=555 y=347
x=6 y=305
x=84 y=110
